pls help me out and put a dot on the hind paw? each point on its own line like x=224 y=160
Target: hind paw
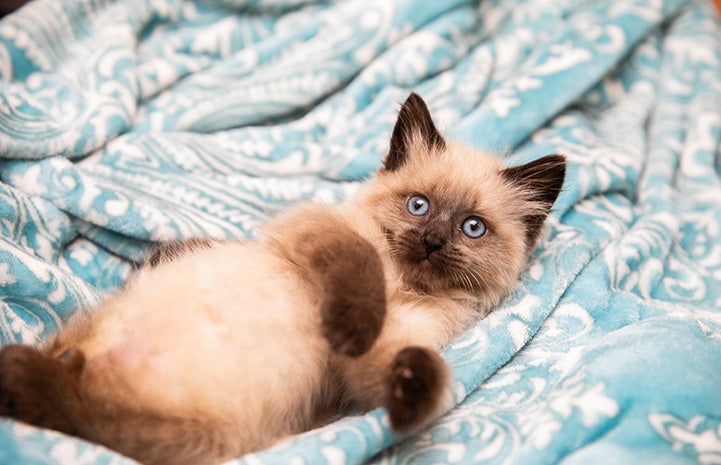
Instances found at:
x=17 y=374
x=418 y=380
x=34 y=386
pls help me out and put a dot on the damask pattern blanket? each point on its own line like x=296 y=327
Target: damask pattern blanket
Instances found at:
x=126 y=123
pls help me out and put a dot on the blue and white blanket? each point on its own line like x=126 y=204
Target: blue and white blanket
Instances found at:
x=124 y=123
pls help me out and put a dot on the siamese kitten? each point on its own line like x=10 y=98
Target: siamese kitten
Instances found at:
x=219 y=348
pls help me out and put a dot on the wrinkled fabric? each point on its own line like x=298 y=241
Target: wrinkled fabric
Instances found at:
x=132 y=122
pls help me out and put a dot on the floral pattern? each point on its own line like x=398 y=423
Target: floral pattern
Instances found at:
x=124 y=123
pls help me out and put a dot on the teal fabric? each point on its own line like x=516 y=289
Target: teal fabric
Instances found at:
x=130 y=122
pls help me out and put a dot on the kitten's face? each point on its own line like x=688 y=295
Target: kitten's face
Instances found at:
x=456 y=218
x=450 y=222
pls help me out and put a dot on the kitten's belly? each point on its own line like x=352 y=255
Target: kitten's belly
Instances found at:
x=227 y=330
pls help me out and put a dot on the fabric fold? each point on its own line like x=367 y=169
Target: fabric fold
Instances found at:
x=125 y=123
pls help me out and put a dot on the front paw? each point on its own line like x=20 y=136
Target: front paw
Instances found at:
x=418 y=380
x=351 y=322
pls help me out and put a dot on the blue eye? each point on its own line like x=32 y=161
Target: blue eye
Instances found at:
x=473 y=227
x=418 y=205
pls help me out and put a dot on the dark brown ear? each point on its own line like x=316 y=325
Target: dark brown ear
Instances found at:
x=414 y=117
x=542 y=179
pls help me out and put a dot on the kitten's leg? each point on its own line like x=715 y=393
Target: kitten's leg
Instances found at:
x=50 y=392
x=413 y=383
x=345 y=268
x=40 y=390
x=169 y=251
x=354 y=303
x=416 y=388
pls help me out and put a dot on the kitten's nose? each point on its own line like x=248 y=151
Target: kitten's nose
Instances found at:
x=432 y=243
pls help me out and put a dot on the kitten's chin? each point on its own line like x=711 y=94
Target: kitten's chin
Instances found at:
x=424 y=275
x=426 y=264
x=418 y=284
x=431 y=276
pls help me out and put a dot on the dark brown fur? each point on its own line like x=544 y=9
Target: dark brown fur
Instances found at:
x=545 y=178
x=415 y=384
x=348 y=272
x=38 y=389
x=169 y=251
x=414 y=117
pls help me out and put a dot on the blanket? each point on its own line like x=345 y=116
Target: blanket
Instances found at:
x=126 y=123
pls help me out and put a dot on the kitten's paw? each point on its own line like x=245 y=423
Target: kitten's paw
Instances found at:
x=16 y=377
x=418 y=381
x=351 y=322
x=32 y=384
x=351 y=279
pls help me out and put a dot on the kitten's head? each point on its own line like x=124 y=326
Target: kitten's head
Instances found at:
x=457 y=218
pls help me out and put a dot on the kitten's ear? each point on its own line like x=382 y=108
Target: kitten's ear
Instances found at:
x=414 y=118
x=541 y=180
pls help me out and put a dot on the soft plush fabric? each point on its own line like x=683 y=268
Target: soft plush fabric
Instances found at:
x=131 y=122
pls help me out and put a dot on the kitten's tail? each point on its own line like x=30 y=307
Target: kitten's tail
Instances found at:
x=46 y=391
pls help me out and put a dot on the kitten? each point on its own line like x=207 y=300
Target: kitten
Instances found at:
x=219 y=348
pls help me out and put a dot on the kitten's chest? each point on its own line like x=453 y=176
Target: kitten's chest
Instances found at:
x=433 y=321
